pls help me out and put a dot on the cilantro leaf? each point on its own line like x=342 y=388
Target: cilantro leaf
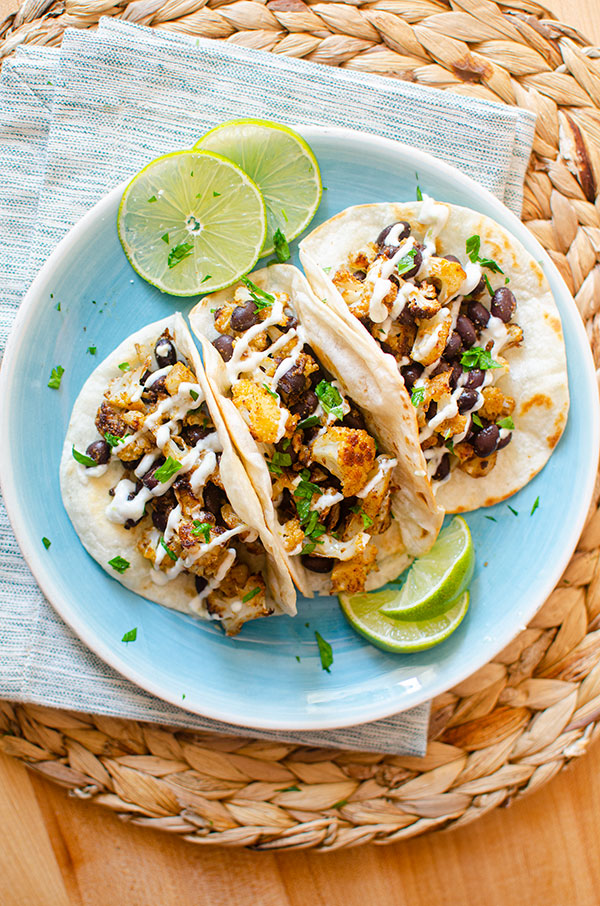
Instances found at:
x=86 y=461
x=207 y=277
x=167 y=470
x=407 y=262
x=330 y=399
x=152 y=199
x=91 y=350
x=475 y=418
x=419 y=194
x=113 y=440
x=202 y=528
x=309 y=422
x=513 y=511
x=491 y=265
x=282 y=459
x=179 y=253
x=473 y=245
x=282 y=249
x=506 y=423
x=124 y=366
x=194 y=394
x=216 y=194
x=491 y=518
x=535 y=506
x=46 y=542
x=119 y=564
x=270 y=392
x=56 y=377
x=251 y=594
x=273 y=468
x=478 y=357
x=325 y=651
x=165 y=238
x=490 y=288
x=171 y=553
x=260 y=298
x=417 y=396
x=130 y=636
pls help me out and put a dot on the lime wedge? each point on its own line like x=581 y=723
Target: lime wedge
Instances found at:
x=281 y=164
x=401 y=636
x=191 y=222
x=436 y=578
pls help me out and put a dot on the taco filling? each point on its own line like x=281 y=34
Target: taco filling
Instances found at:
x=331 y=483
x=446 y=320
x=154 y=422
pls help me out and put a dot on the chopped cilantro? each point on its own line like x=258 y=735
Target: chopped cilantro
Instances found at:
x=490 y=288
x=86 y=461
x=506 y=423
x=270 y=392
x=475 y=418
x=340 y=804
x=280 y=243
x=179 y=253
x=251 y=594
x=536 y=504
x=125 y=366
x=491 y=518
x=473 y=246
x=119 y=564
x=260 y=298
x=216 y=194
x=306 y=489
x=165 y=238
x=201 y=528
x=285 y=443
x=130 y=636
x=56 y=377
x=309 y=422
x=290 y=789
x=152 y=199
x=113 y=440
x=450 y=446
x=325 y=652
x=303 y=508
x=327 y=269
x=367 y=521
x=285 y=216
x=330 y=398
x=91 y=350
x=273 y=468
x=419 y=194
x=491 y=265
x=46 y=542
x=417 y=396
x=513 y=511
x=309 y=547
x=167 y=470
x=282 y=459
x=57 y=306
x=171 y=553
x=478 y=357
x=194 y=394
x=207 y=277
x=407 y=262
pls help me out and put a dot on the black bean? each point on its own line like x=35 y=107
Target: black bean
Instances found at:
x=402 y=234
x=306 y=404
x=353 y=420
x=452 y=258
x=162 y=509
x=504 y=442
x=406 y=317
x=317 y=564
x=479 y=288
x=410 y=373
x=224 y=346
x=503 y=304
x=443 y=469
x=244 y=316
x=193 y=433
x=486 y=440
x=467 y=400
x=457 y=370
x=131 y=464
x=440 y=368
x=148 y=480
x=212 y=496
x=417 y=262
x=200 y=582
x=466 y=330
x=136 y=490
x=291 y=384
x=145 y=377
x=165 y=352
x=292 y=322
x=131 y=523
x=99 y=451
x=150 y=394
x=454 y=346
x=478 y=314
x=360 y=275
x=432 y=409
x=475 y=378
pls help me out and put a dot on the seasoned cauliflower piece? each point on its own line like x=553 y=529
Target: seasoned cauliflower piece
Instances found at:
x=423 y=301
x=348 y=453
x=496 y=405
x=432 y=337
x=179 y=374
x=353 y=293
x=363 y=258
x=515 y=336
x=350 y=575
x=260 y=410
x=292 y=534
x=376 y=505
x=399 y=340
x=452 y=426
x=223 y=317
x=121 y=390
x=227 y=602
x=447 y=275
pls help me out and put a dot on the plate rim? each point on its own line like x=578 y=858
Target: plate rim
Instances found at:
x=111 y=656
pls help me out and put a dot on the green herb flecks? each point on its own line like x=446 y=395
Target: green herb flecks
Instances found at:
x=124 y=366
x=280 y=243
x=194 y=394
x=536 y=504
x=325 y=652
x=450 y=446
x=309 y=422
x=473 y=246
x=91 y=350
x=202 y=528
x=46 y=542
x=82 y=458
x=171 y=553
x=207 y=277
x=119 y=564
x=367 y=521
x=179 y=253
x=56 y=377
x=113 y=440
x=282 y=459
x=491 y=518
x=419 y=194
x=216 y=194
x=476 y=420
x=513 y=511
x=285 y=216
x=57 y=306
x=478 y=357
x=130 y=636
x=251 y=594
x=270 y=392
x=169 y=467
x=152 y=199
x=260 y=298
x=417 y=396
x=407 y=262
x=165 y=238
x=507 y=423
x=490 y=288
x=330 y=398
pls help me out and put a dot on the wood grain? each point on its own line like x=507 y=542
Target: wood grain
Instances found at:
x=543 y=851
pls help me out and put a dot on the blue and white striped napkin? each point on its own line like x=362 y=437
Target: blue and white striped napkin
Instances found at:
x=75 y=121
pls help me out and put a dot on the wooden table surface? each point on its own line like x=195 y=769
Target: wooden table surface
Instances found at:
x=542 y=851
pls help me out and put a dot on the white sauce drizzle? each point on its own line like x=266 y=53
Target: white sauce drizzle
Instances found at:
x=384 y=464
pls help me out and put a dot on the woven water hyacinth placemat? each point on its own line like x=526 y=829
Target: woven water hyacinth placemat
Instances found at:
x=516 y=722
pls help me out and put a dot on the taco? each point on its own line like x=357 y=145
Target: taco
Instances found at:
x=333 y=457
x=156 y=492
x=468 y=318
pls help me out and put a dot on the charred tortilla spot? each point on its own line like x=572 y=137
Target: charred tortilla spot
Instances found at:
x=540 y=399
x=559 y=425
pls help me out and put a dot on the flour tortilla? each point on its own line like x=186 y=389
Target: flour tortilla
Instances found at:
x=538 y=369
x=343 y=351
x=85 y=498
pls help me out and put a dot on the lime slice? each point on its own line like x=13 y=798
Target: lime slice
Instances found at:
x=282 y=166
x=191 y=222
x=434 y=579
x=400 y=636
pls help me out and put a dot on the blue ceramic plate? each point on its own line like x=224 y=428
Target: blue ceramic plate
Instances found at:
x=270 y=676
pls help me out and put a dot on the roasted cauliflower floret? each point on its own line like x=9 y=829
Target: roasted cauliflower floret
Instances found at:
x=179 y=374
x=350 y=575
x=353 y=293
x=496 y=405
x=399 y=340
x=233 y=613
x=376 y=504
x=348 y=453
x=423 y=301
x=432 y=336
x=292 y=534
x=363 y=258
x=448 y=276
x=121 y=390
x=223 y=317
x=452 y=426
x=259 y=409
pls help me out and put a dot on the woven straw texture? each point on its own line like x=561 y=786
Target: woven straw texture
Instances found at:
x=515 y=723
